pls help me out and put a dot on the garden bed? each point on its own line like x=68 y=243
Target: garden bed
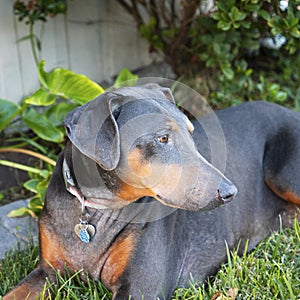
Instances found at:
x=12 y=179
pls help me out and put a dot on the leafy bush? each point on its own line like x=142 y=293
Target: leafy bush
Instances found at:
x=239 y=50
x=43 y=113
x=60 y=92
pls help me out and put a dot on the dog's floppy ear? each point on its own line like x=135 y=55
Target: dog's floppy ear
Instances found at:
x=93 y=129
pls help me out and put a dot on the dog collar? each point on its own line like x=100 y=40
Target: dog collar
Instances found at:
x=83 y=230
x=70 y=184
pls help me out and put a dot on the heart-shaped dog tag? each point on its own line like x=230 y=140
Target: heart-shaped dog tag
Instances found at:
x=85 y=232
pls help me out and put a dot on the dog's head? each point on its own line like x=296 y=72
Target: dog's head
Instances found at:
x=134 y=142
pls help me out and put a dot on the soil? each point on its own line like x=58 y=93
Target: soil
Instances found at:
x=11 y=179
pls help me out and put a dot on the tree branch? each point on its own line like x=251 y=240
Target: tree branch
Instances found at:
x=133 y=10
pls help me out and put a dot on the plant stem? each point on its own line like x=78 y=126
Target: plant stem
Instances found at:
x=19 y=166
x=23 y=142
x=32 y=43
x=31 y=153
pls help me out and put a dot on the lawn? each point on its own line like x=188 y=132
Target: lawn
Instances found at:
x=271 y=271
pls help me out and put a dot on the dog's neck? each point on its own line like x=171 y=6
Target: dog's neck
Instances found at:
x=85 y=180
x=75 y=191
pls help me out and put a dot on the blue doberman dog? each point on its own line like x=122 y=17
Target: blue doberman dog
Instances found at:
x=132 y=202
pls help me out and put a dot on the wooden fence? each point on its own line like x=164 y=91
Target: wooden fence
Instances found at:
x=96 y=38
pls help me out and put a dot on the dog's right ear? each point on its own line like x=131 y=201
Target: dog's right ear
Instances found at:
x=93 y=130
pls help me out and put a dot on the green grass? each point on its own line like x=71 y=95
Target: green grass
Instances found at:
x=271 y=271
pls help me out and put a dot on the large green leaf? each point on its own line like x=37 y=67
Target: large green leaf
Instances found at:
x=41 y=126
x=67 y=84
x=56 y=114
x=8 y=110
x=41 y=97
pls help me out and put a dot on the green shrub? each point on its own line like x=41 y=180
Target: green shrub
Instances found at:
x=239 y=50
x=43 y=113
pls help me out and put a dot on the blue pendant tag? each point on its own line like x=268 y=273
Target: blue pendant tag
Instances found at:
x=84 y=235
x=85 y=232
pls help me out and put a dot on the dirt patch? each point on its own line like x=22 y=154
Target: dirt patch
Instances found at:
x=11 y=179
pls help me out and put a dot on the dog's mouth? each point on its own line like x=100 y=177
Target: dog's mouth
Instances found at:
x=192 y=204
x=195 y=200
x=218 y=201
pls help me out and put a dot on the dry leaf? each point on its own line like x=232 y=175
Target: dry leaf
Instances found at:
x=231 y=294
x=217 y=296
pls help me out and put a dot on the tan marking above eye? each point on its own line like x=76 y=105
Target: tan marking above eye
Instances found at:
x=172 y=125
x=190 y=126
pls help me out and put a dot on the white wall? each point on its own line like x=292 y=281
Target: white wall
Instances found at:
x=96 y=38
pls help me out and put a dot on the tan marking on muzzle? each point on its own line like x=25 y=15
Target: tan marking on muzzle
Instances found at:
x=131 y=193
x=164 y=179
x=138 y=165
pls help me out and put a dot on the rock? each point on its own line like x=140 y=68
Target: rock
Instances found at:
x=15 y=233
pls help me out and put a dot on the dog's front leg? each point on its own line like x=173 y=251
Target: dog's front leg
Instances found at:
x=51 y=259
x=30 y=287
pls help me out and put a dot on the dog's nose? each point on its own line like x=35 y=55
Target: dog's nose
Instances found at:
x=226 y=191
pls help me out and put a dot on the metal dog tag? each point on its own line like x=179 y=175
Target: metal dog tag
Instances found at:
x=85 y=231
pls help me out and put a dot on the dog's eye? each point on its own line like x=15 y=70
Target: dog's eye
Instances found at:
x=164 y=138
